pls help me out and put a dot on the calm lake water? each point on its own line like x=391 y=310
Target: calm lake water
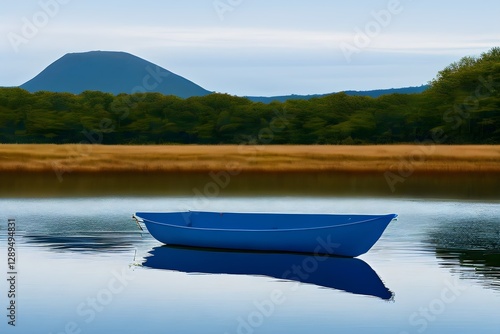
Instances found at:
x=84 y=267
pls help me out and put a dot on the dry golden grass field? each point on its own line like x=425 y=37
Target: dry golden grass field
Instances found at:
x=196 y=158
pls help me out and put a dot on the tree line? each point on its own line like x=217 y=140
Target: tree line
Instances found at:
x=462 y=105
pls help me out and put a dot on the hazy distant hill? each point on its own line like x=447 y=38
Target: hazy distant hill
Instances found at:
x=370 y=93
x=110 y=72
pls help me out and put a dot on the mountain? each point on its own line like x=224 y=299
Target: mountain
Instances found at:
x=370 y=93
x=110 y=72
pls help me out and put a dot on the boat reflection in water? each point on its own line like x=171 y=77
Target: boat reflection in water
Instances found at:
x=347 y=274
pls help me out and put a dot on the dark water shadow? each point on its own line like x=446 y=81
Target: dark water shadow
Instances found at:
x=347 y=274
x=471 y=249
x=449 y=186
x=87 y=242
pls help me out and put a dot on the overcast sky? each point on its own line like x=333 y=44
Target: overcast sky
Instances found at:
x=255 y=47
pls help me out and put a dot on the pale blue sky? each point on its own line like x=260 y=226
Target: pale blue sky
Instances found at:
x=256 y=47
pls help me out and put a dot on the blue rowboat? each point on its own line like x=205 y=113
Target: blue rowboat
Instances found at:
x=343 y=235
x=340 y=273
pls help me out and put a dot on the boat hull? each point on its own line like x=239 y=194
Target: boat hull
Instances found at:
x=351 y=237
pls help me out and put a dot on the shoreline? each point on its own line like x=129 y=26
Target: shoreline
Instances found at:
x=160 y=159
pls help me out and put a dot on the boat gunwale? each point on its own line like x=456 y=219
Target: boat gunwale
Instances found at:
x=269 y=230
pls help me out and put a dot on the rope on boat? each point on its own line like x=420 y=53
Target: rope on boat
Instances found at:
x=138 y=221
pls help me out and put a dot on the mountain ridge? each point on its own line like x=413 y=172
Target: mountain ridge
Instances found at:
x=118 y=72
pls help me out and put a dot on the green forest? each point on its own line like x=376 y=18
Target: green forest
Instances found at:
x=462 y=106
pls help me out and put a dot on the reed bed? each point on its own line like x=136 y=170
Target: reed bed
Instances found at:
x=274 y=158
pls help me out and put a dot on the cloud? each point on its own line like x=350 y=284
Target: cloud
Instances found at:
x=251 y=38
